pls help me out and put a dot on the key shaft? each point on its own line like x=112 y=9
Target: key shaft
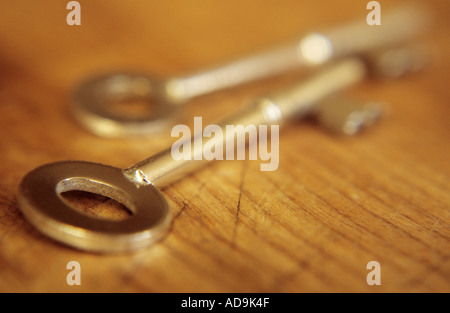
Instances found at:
x=162 y=169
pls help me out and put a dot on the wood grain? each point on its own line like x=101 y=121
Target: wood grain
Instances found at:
x=334 y=204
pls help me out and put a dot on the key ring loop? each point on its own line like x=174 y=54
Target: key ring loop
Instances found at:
x=40 y=201
x=92 y=105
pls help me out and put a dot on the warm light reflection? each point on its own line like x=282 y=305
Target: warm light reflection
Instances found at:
x=315 y=48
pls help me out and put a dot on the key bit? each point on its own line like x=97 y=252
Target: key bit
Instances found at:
x=343 y=115
x=348 y=116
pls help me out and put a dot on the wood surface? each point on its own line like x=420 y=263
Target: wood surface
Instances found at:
x=334 y=204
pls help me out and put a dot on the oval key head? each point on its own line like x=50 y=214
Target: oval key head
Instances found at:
x=94 y=102
x=41 y=203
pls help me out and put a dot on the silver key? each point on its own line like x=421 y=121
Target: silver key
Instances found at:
x=92 y=99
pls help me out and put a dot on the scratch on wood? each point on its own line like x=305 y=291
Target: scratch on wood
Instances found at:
x=181 y=211
x=238 y=207
x=178 y=214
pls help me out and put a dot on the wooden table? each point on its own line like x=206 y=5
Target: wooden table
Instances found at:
x=334 y=204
